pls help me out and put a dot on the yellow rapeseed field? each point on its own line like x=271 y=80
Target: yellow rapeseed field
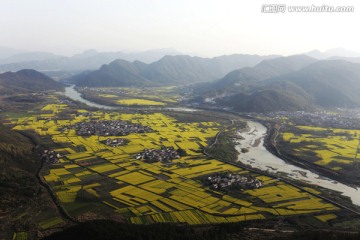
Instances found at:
x=153 y=192
x=139 y=101
x=331 y=147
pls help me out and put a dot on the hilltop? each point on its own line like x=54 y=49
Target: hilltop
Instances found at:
x=290 y=84
x=169 y=70
x=27 y=80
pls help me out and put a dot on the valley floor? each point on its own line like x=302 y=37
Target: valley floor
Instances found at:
x=90 y=180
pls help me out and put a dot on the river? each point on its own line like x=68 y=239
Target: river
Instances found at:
x=258 y=157
x=70 y=92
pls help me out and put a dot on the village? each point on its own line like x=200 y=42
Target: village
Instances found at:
x=115 y=91
x=343 y=118
x=163 y=155
x=229 y=181
x=109 y=128
x=116 y=142
x=66 y=101
x=50 y=156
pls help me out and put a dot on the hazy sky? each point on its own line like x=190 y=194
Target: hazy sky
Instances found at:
x=203 y=27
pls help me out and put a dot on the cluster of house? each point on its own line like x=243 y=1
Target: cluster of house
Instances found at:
x=228 y=181
x=104 y=90
x=344 y=118
x=85 y=114
x=163 y=155
x=109 y=128
x=39 y=94
x=65 y=101
x=116 y=142
x=50 y=156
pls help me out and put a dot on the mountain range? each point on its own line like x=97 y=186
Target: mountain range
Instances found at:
x=169 y=70
x=297 y=82
x=249 y=83
x=333 y=52
x=288 y=83
x=244 y=79
x=88 y=60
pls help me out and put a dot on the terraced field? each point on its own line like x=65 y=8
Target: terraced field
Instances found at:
x=93 y=177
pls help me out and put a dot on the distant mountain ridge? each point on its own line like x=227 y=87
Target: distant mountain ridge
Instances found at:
x=332 y=83
x=6 y=52
x=169 y=70
x=88 y=60
x=29 y=56
x=333 y=52
x=288 y=84
x=246 y=78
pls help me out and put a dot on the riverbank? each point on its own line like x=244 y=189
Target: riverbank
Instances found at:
x=73 y=94
x=330 y=196
x=260 y=158
x=269 y=144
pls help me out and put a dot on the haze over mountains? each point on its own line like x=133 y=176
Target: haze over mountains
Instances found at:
x=334 y=52
x=249 y=83
x=245 y=78
x=169 y=70
x=289 y=83
x=8 y=52
x=14 y=60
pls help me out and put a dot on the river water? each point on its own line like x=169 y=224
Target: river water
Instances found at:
x=258 y=157
x=70 y=92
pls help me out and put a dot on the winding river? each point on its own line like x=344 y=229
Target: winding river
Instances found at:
x=257 y=156
x=71 y=92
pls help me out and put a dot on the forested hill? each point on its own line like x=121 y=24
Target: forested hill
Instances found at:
x=27 y=80
x=169 y=70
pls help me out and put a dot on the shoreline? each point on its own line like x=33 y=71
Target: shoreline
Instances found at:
x=323 y=172
x=348 y=205
x=267 y=144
